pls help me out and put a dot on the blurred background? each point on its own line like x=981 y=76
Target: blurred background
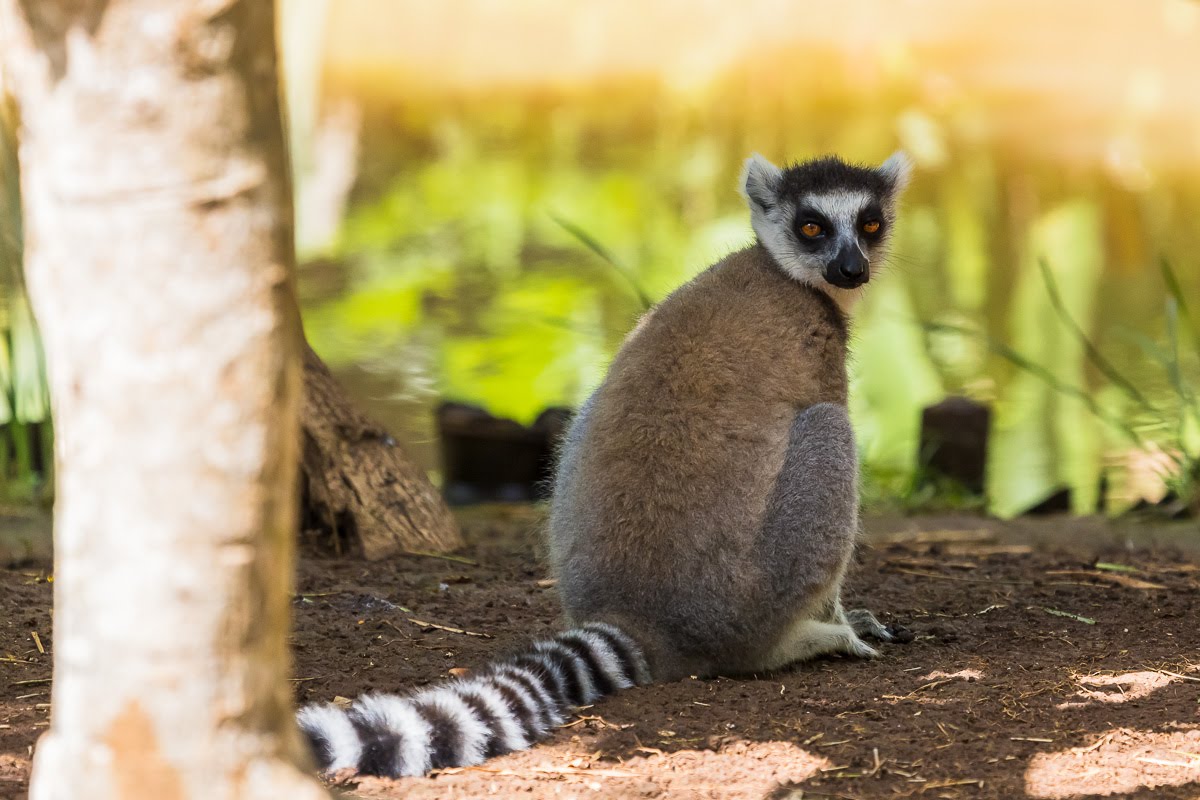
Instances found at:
x=490 y=191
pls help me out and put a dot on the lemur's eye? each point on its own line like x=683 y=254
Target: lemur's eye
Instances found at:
x=871 y=227
x=811 y=230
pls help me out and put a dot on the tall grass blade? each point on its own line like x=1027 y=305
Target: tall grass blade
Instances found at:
x=1176 y=290
x=6 y=380
x=11 y=232
x=10 y=255
x=602 y=252
x=1169 y=361
x=24 y=396
x=31 y=397
x=1093 y=354
x=1042 y=374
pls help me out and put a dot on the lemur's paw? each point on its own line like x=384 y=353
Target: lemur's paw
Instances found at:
x=864 y=624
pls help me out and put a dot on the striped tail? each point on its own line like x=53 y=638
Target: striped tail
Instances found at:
x=505 y=707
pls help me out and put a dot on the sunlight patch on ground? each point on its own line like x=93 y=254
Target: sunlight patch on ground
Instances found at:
x=738 y=770
x=933 y=680
x=1119 y=688
x=1121 y=760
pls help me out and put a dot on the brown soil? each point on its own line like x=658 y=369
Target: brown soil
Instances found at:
x=1032 y=674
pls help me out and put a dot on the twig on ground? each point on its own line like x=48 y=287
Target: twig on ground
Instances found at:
x=957 y=579
x=601 y=721
x=952 y=782
x=1110 y=577
x=1176 y=675
x=977 y=536
x=921 y=688
x=1096 y=745
x=422 y=623
x=1067 y=614
x=878 y=764
x=442 y=556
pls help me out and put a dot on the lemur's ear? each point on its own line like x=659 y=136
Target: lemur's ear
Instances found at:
x=759 y=182
x=897 y=170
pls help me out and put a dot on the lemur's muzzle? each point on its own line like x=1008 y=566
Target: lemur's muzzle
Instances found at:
x=849 y=268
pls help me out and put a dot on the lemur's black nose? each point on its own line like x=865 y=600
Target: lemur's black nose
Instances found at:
x=849 y=268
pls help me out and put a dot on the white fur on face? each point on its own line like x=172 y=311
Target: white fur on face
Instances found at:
x=774 y=229
x=840 y=208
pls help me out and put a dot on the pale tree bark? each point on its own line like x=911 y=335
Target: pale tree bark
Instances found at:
x=159 y=261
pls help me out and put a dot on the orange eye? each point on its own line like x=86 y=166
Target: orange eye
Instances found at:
x=811 y=230
x=871 y=227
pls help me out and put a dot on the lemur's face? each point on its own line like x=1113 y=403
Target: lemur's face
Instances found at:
x=826 y=223
x=838 y=234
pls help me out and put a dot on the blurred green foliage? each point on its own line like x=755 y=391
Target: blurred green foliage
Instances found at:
x=24 y=398
x=498 y=241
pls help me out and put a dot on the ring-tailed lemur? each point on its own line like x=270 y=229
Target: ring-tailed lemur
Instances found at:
x=705 y=505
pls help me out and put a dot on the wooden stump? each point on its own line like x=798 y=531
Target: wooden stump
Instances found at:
x=487 y=459
x=954 y=441
x=362 y=495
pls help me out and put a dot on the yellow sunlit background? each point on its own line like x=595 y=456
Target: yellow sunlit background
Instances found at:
x=477 y=179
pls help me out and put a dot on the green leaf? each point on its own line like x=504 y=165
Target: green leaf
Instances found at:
x=1111 y=567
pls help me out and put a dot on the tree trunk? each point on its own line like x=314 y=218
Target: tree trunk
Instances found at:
x=159 y=259
x=361 y=492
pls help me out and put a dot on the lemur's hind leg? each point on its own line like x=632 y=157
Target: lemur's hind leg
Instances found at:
x=808 y=537
x=809 y=638
x=861 y=620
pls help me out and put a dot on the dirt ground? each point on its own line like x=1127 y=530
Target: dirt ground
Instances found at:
x=1032 y=673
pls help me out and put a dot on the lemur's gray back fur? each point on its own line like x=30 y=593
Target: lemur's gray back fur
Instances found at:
x=705 y=503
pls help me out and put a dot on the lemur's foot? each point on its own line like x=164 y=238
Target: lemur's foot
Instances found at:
x=809 y=638
x=864 y=624
x=859 y=649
